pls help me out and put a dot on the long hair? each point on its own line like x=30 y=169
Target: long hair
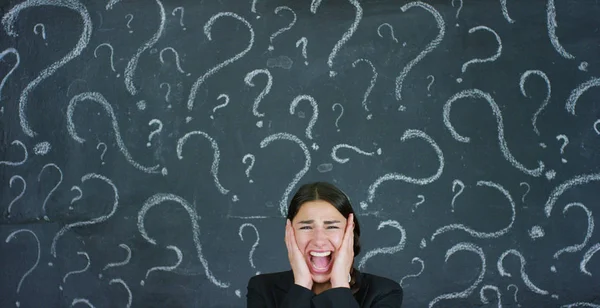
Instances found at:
x=328 y=192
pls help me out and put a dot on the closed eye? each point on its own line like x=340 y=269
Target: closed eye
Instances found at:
x=305 y=228
x=333 y=227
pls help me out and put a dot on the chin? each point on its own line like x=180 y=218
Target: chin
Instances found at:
x=320 y=278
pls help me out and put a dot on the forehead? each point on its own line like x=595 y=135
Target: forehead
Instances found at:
x=318 y=210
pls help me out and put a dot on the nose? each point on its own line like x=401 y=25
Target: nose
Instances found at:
x=320 y=237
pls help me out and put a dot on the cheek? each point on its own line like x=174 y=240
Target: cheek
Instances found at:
x=302 y=240
x=336 y=239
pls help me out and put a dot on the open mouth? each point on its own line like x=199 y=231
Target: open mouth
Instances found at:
x=320 y=262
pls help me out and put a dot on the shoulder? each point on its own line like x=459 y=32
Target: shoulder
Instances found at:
x=269 y=280
x=380 y=284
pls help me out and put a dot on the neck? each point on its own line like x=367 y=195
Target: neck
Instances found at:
x=321 y=287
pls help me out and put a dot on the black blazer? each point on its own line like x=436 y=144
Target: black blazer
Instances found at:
x=278 y=290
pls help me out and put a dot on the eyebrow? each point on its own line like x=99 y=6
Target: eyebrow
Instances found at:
x=311 y=221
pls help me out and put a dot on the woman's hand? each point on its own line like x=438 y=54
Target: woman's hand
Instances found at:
x=302 y=276
x=344 y=257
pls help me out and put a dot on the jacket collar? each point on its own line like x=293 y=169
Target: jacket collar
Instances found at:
x=286 y=279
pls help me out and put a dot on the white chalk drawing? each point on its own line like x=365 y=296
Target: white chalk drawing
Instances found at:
x=304 y=42
x=252 y=160
x=588 y=235
x=385 y=250
x=286 y=136
x=515 y=294
x=154 y=132
x=565 y=140
x=476 y=93
x=346 y=36
x=109 y=46
x=457 y=183
x=580 y=90
x=479 y=234
x=81 y=301
x=315 y=113
x=467 y=292
x=53 y=189
x=177 y=63
x=122 y=263
x=391 y=31
x=98 y=98
x=182 y=10
x=370 y=88
x=10 y=184
x=98 y=146
x=552 y=25
x=415 y=259
x=132 y=64
x=284 y=29
x=218 y=67
x=485 y=300
x=484 y=60
x=121 y=282
x=510 y=20
x=9 y=21
x=524 y=275
x=586 y=258
x=166 y=268
x=214 y=169
x=429 y=48
x=93 y=221
x=342 y=113
x=253 y=245
x=221 y=96
x=546 y=100
x=409 y=134
x=2 y=55
x=526 y=192
x=248 y=80
x=16 y=163
x=87 y=266
x=335 y=157
x=37 y=260
x=560 y=189
x=194 y=218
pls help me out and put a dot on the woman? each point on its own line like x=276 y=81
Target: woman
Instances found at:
x=322 y=238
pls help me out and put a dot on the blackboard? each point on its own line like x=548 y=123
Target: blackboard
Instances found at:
x=149 y=148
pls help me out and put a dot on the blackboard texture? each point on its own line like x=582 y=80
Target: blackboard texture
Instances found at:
x=149 y=148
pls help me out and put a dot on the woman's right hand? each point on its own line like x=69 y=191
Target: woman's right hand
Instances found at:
x=302 y=276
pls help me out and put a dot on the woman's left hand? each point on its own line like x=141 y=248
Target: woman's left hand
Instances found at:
x=343 y=257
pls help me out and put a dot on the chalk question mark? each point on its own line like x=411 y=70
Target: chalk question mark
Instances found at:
x=459 y=8
x=168 y=92
x=370 y=88
x=122 y=263
x=252 y=160
x=76 y=198
x=303 y=41
x=112 y=65
x=525 y=194
x=341 y=113
x=421 y=200
x=596 y=127
x=314 y=117
x=248 y=80
x=541 y=74
x=462 y=187
x=165 y=268
x=253 y=9
x=10 y=183
x=103 y=151
x=226 y=97
x=385 y=250
x=81 y=253
x=2 y=55
x=280 y=31
x=130 y=17
x=35 y=30
x=516 y=290
x=417 y=259
x=489 y=59
x=430 y=83
x=254 y=245
x=565 y=140
x=180 y=8
x=154 y=132
x=391 y=31
x=10 y=237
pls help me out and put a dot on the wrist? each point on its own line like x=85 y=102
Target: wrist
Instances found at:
x=344 y=284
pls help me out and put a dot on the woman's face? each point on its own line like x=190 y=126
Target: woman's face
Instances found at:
x=319 y=230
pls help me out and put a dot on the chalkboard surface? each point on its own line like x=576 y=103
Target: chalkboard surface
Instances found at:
x=149 y=148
